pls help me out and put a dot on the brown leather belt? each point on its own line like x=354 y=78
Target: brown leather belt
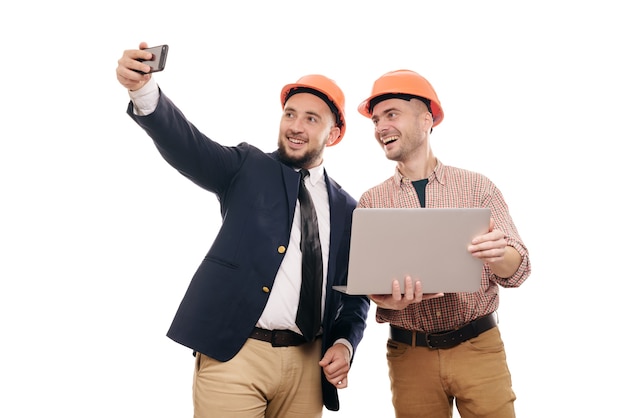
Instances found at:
x=446 y=339
x=279 y=337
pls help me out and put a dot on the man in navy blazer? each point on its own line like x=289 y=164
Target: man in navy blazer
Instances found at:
x=238 y=314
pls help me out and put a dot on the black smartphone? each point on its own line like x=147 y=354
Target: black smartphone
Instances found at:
x=159 y=56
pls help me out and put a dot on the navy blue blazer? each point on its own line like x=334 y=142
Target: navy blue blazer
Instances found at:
x=257 y=195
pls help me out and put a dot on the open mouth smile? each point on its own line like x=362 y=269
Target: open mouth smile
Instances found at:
x=389 y=139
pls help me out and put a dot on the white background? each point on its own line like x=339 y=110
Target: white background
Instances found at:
x=99 y=236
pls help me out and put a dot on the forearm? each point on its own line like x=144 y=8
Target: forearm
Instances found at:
x=351 y=322
x=507 y=265
x=184 y=147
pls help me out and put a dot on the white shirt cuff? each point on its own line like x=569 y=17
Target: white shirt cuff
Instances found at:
x=145 y=99
x=347 y=344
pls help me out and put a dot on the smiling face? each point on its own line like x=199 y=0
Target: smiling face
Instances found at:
x=306 y=128
x=402 y=128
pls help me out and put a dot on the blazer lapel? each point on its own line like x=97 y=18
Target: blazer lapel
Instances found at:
x=337 y=204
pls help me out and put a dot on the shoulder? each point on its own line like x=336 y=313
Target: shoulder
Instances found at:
x=451 y=173
x=382 y=187
x=380 y=194
x=340 y=191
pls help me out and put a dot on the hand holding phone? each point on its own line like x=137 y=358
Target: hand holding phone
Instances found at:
x=159 y=56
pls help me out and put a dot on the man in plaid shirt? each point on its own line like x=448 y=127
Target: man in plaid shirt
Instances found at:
x=442 y=347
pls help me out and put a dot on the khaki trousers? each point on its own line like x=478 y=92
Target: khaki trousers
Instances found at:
x=425 y=382
x=261 y=381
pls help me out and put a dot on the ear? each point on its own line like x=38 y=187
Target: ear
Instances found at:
x=428 y=119
x=333 y=135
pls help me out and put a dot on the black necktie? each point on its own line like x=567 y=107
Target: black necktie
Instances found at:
x=309 y=314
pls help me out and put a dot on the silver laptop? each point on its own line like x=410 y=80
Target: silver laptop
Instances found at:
x=429 y=244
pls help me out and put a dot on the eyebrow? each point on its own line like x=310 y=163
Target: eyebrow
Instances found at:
x=306 y=112
x=314 y=114
x=389 y=110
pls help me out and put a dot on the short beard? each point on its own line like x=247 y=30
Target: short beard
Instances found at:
x=305 y=161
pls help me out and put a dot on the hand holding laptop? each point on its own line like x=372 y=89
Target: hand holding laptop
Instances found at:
x=396 y=300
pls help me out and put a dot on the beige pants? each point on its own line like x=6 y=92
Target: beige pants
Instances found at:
x=424 y=382
x=260 y=381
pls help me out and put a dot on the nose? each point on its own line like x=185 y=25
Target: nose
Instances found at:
x=296 y=124
x=380 y=128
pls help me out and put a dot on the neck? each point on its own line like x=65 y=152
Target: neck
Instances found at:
x=418 y=167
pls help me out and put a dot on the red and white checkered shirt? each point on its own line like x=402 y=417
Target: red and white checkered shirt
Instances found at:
x=450 y=187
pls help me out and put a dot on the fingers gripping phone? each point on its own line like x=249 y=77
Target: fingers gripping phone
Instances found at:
x=159 y=56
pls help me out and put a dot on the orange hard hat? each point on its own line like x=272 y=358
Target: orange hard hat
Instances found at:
x=324 y=88
x=403 y=83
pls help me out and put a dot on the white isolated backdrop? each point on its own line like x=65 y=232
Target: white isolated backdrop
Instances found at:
x=99 y=236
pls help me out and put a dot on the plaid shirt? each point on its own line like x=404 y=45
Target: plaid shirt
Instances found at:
x=450 y=187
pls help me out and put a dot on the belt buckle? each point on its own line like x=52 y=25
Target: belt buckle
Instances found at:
x=275 y=339
x=427 y=339
x=446 y=343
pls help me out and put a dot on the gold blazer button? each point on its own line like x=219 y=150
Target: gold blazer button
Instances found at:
x=282 y=249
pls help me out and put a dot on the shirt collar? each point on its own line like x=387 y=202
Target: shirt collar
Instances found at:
x=316 y=173
x=437 y=174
